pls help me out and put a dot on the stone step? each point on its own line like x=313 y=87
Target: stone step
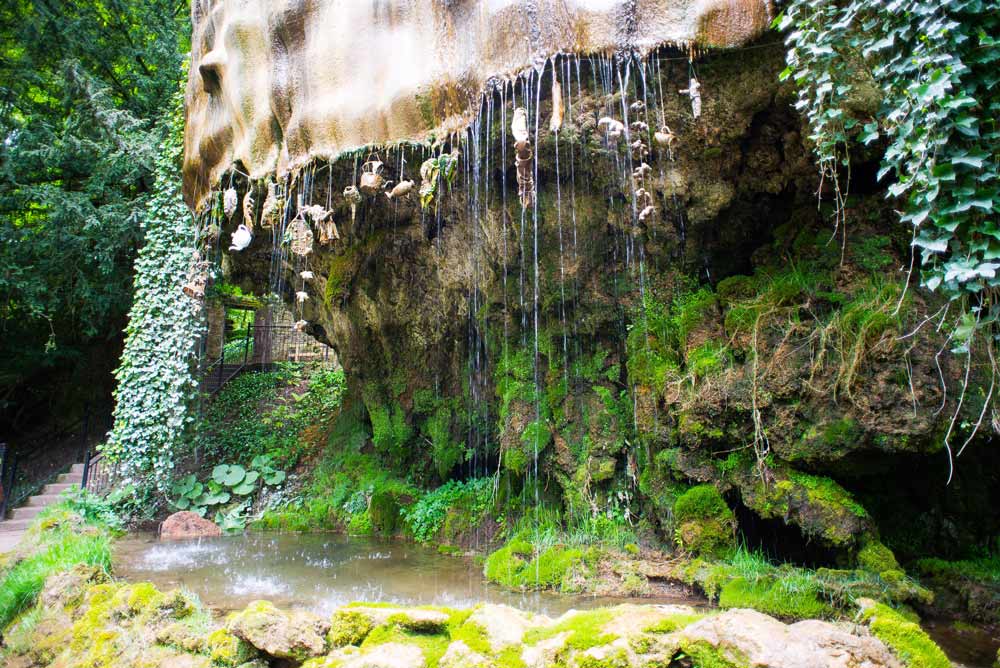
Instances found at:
x=58 y=488
x=25 y=512
x=77 y=469
x=14 y=525
x=43 y=500
x=70 y=477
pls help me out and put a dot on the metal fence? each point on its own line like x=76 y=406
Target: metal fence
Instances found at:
x=38 y=459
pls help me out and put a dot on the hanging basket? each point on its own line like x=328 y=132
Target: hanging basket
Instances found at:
x=300 y=237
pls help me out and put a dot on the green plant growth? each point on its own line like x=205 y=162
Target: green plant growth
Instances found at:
x=229 y=489
x=704 y=523
x=156 y=383
x=61 y=544
x=426 y=517
x=905 y=637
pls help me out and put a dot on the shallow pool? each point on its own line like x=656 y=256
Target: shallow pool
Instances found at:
x=322 y=571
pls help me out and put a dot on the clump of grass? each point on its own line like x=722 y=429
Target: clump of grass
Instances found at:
x=59 y=549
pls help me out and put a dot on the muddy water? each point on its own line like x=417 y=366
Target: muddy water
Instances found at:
x=322 y=571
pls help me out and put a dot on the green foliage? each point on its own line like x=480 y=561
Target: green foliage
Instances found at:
x=61 y=545
x=704 y=523
x=84 y=88
x=156 y=383
x=227 y=482
x=785 y=598
x=426 y=517
x=931 y=68
x=906 y=639
x=260 y=414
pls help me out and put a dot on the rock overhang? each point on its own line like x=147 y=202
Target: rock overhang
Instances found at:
x=275 y=85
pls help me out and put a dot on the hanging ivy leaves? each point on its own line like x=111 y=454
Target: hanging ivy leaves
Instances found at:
x=156 y=381
x=935 y=65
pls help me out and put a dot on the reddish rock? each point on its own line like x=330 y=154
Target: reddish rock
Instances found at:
x=186 y=524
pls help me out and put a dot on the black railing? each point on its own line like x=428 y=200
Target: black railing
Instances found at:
x=263 y=346
x=99 y=475
x=39 y=459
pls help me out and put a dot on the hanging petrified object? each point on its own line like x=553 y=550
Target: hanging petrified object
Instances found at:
x=428 y=181
x=197 y=277
x=610 y=128
x=639 y=127
x=269 y=211
x=248 y=210
x=353 y=197
x=640 y=172
x=401 y=189
x=299 y=236
x=644 y=202
x=301 y=296
x=314 y=212
x=230 y=200
x=300 y=326
x=694 y=92
x=519 y=125
x=306 y=275
x=523 y=161
x=328 y=232
x=432 y=172
x=241 y=238
x=557 y=106
x=637 y=107
x=371 y=176
x=639 y=150
x=665 y=137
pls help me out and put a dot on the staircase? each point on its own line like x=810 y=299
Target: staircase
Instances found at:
x=20 y=518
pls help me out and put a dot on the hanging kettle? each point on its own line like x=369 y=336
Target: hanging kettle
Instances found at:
x=241 y=238
x=371 y=176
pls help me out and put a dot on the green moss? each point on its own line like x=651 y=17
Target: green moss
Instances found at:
x=585 y=629
x=348 y=627
x=674 y=622
x=471 y=634
x=776 y=597
x=703 y=655
x=825 y=491
x=360 y=524
x=433 y=646
x=616 y=659
x=877 y=558
x=906 y=639
x=704 y=523
x=509 y=566
x=227 y=650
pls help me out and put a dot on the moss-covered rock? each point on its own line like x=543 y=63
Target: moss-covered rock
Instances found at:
x=705 y=524
x=906 y=639
x=296 y=635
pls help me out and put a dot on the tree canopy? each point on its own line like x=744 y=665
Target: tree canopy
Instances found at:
x=84 y=87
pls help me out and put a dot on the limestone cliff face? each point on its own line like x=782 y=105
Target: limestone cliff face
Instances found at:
x=274 y=85
x=616 y=354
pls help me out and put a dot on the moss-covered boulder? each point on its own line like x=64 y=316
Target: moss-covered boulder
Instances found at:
x=293 y=635
x=704 y=523
x=904 y=636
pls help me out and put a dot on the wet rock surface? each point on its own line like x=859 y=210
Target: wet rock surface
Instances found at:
x=185 y=524
x=117 y=624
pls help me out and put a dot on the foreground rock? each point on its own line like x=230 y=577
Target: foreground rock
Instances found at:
x=186 y=524
x=84 y=621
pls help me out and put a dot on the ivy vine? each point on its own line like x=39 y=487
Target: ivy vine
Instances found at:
x=932 y=66
x=156 y=381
